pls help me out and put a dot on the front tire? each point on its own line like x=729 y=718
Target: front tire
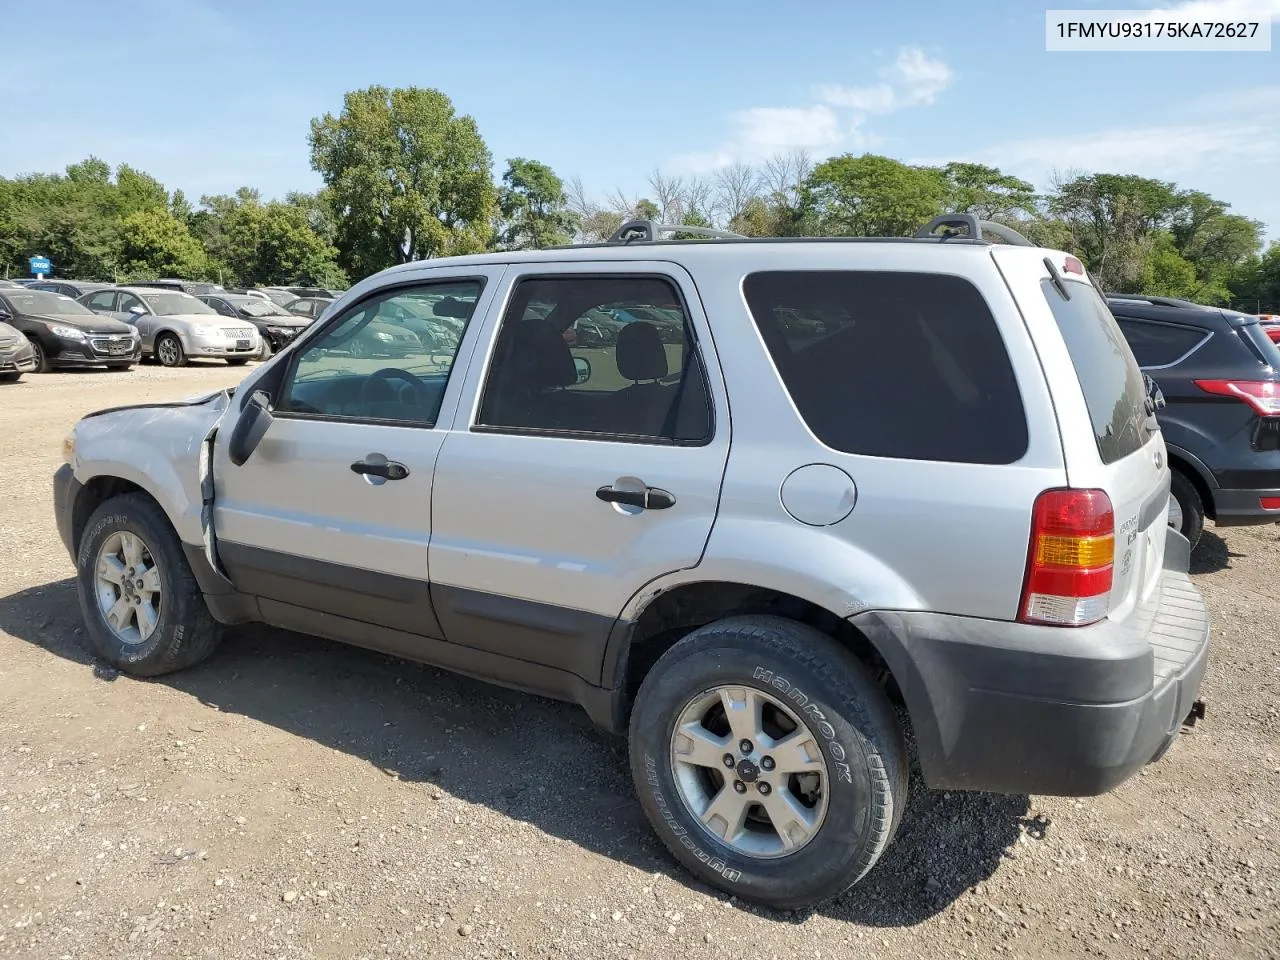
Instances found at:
x=143 y=610
x=10 y=377
x=819 y=777
x=169 y=351
x=119 y=366
x=1190 y=522
x=238 y=362
x=42 y=359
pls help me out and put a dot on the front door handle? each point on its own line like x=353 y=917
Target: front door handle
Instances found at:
x=650 y=498
x=380 y=467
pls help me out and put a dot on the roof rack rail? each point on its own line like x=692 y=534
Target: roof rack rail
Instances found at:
x=1157 y=301
x=969 y=227
x=636 y=231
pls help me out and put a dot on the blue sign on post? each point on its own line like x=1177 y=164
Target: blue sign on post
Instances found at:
x=40 y=266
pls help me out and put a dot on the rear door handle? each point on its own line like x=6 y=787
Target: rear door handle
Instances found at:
x=650 y=498
x=382 y=468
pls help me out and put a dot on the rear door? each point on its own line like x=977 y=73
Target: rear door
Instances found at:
x=1110 y=437
x=575 y=474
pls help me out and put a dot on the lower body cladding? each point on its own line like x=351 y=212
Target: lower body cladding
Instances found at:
x=1015 y=708
x=995 y=706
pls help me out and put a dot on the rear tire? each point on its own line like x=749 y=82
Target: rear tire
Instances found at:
x=1192 y=506
x=184 y=631
x=838 y=819
x=169 y=351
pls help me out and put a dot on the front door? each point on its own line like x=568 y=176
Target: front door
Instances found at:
x=579 y=467
x=328 y=521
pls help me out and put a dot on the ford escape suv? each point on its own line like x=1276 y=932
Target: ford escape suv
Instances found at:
x=919 y=473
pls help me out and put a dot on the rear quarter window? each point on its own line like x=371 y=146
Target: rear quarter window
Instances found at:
x=886 y=364
x=1114 y=390
x=1156 y=344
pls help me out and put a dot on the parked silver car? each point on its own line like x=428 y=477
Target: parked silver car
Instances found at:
x=176 y=326
x=942 y=487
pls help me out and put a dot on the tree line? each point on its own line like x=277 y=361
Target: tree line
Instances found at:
x=406 y=178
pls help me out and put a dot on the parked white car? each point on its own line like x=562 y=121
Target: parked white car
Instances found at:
x=176 y=326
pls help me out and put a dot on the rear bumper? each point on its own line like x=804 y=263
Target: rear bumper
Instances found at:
x=1238 y=508
x=1013 y=708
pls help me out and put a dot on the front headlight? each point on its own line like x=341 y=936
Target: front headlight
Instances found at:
x=69 y=449
x=383 y=336
x=69 y=333
x=200 y=330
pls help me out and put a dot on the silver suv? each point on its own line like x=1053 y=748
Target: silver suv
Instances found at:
x=863 y=485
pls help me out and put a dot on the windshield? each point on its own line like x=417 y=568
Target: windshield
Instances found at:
x=172 y=304
x=40 y=301
x=262 y=308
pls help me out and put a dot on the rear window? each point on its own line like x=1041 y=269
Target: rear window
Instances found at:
x=1159 y=344
x=1114 y=390
x=887 y=364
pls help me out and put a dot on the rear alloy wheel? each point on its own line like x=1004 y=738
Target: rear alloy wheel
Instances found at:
x=42 y=359
x=768 y=760
x=1186 y=508
x=169 y=351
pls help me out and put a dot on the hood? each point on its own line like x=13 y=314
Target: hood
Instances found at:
x=91 y=324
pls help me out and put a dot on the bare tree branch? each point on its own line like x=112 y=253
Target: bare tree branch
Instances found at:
x=735 y=187
x=669 y=195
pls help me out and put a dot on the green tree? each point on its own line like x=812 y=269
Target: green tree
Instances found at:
x=265 y=244
x=153 y=243
x=534 y=207
x=1110 y=217
x=987 y=193
x=871 y=196
x=409 y=178
x=1255 y=284
x=1166 y=273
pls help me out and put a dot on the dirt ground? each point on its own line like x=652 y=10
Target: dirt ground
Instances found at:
x=295 y=798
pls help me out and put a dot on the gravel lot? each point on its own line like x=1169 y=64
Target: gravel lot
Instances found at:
x=295 y=798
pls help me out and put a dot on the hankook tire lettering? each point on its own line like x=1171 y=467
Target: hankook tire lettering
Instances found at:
x=813 y=713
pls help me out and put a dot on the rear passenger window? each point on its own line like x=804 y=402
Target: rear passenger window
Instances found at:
x=1159 y=344
x=902 y=365
x=607 y=356
x=1113 y=387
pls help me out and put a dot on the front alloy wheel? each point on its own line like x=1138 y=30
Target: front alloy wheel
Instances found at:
x=127 y=585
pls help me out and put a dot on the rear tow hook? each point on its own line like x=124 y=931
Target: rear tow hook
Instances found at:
x=1197 y=713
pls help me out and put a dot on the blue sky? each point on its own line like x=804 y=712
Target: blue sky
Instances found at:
x=208 y=95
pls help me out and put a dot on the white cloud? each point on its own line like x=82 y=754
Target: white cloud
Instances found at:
x=837 y=120
x=914 y=79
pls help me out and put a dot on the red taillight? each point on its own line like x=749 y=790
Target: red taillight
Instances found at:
x=1262 y=395
x=1269 y=503
x=1071 y=558
x=1072 y=265
x=1273 y=332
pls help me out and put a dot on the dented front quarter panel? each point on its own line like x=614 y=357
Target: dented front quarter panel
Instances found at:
x=157 y=447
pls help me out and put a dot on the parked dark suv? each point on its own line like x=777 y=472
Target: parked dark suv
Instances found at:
x=1220 y=376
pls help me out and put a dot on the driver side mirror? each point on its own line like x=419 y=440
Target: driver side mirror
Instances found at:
x=5 y=315
x=255 y=419
x=138 y=310
x=583 y=368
